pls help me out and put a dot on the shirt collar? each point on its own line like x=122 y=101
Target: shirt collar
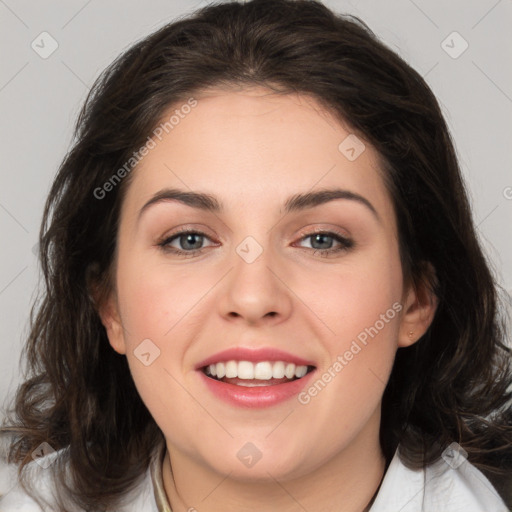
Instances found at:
x=404 y=489
x=162 y=504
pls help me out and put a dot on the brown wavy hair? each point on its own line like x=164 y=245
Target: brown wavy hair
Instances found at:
x=452 y=385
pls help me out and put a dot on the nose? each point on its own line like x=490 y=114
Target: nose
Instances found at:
x=256 y=293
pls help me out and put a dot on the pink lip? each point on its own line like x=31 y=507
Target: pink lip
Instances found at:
x=254 y=355
x=256 y=397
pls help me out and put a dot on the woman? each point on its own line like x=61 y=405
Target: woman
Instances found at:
x=258 y=369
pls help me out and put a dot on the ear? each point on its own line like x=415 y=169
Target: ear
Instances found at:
x=111 y=320
x=420 y=305
x=104 y=300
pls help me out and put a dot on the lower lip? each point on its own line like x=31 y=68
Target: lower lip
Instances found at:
x=258 y=396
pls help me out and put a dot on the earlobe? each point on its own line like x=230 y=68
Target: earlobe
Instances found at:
x=420 y=306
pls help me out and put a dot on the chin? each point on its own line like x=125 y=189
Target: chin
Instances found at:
x=254 y=461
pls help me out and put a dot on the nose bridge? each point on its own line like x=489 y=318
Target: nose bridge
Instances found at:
x=253 y=290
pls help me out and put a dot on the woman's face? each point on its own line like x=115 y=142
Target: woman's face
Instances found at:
x=258 y=280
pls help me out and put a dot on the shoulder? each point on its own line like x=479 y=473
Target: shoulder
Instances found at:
x=16 y=499
x=451 y=484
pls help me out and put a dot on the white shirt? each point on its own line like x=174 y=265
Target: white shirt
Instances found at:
x=441 y=487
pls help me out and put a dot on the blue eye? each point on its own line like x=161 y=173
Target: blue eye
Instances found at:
x=190 y=243
x=320 y=237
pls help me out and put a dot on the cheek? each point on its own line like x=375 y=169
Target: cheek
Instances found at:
x=154 y=298
x=363 y=302
x=353 y=296
x=360 y=304
x=160 y=305
x=365 y=324
x=153 y=308
x=362 y=309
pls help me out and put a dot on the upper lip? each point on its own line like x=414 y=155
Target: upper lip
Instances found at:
x=254 y=355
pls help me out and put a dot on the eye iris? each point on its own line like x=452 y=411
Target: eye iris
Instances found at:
x=322 y=236
x=188 y=237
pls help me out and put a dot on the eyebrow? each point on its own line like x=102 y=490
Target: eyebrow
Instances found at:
x=295 y=203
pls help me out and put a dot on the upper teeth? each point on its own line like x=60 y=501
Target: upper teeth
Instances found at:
x=264 y=370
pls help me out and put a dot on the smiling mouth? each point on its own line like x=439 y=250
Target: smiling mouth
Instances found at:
x=249 y=374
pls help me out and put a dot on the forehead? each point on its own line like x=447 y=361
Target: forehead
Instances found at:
x=253 y=146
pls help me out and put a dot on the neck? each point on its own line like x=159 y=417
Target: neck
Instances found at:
x=345 y=483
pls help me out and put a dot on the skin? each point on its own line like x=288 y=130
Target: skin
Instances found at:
x=253 y=149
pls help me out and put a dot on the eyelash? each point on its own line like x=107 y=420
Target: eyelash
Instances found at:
x=346 y=243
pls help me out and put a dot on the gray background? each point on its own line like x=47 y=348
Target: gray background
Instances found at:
x=40 y=98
